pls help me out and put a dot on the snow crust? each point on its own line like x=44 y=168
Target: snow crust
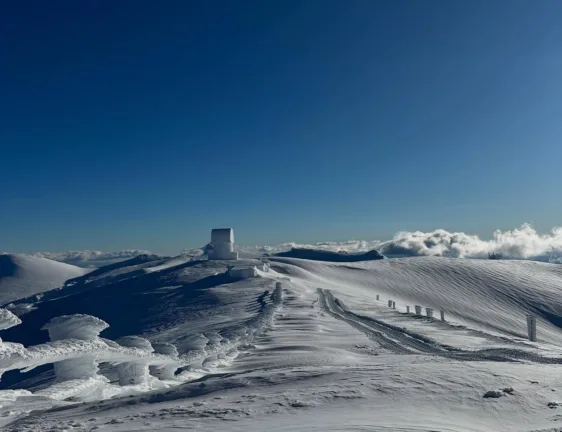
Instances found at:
x=304 y=346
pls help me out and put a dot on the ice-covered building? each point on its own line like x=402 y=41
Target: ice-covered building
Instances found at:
x=222 y=245
x=243 y=272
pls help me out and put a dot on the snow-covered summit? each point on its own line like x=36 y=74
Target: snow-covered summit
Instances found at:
x=22 y=276
x=300 y=344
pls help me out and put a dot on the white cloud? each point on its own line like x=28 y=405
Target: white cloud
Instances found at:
x=520 y=243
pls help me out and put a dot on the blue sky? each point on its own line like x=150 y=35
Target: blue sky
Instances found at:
x=145 y=124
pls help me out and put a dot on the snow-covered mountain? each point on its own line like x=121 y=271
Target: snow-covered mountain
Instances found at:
x=22 y=276
x=303 y=345
x=89 y=258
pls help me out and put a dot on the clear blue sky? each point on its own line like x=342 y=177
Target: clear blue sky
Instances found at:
x=145 y=124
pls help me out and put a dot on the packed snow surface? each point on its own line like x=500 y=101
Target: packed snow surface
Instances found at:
x=23 y=275
x=305 y=345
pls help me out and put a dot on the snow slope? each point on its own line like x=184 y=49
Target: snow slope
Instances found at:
x=22 y=276
x=326 y=355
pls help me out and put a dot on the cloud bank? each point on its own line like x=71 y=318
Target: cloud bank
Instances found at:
x=520 y=243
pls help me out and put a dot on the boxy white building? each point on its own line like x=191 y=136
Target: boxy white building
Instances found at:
x=222 y=244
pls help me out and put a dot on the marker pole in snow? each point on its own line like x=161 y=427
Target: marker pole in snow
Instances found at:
x=442 y=315
x=377 y=296
x=390 y=303
x=407 y=309
x=393 y=305
x=532 y=327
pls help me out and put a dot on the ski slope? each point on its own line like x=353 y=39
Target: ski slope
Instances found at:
x=324 y=355
x=23 y=276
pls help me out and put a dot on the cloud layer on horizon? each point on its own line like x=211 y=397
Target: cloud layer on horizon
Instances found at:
x=520 y=243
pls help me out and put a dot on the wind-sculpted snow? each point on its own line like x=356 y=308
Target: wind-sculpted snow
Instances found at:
x=321 y=353
x=15 y=356
x=495 y=295
x=8 y=319
x=76 y=348
x=401 y=341
x=227 y=347
x=79 y=326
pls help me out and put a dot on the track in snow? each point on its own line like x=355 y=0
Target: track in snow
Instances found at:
x=399 y=341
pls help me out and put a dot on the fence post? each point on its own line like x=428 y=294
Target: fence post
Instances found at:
x=377 y=296
x=429 y=312
x=418 y=309
x=393 y=305
x=390 y=303
x=407 y=309
x=532 y=327
x=442 y=315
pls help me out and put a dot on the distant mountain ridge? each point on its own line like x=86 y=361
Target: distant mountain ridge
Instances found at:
x=329 y=256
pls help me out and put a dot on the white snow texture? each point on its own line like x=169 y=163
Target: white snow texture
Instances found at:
x=298 y=345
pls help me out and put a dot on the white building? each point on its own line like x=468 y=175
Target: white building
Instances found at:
x=222 y=242
x=243 y=272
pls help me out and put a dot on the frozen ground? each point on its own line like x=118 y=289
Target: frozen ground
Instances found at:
x=326 y=355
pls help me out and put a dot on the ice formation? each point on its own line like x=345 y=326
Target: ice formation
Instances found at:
x=81 y=327
x=134 y=372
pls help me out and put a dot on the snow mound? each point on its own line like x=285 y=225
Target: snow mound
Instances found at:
x=23 y=276
x=329 y=256
x=494 y=295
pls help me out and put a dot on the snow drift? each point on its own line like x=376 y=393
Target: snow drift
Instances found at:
x=494 y=295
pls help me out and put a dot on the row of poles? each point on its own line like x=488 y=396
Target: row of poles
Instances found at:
x=531 y=319
x=418 y=309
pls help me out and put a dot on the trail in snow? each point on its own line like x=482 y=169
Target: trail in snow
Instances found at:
x=487 y=295
x=401 y=341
